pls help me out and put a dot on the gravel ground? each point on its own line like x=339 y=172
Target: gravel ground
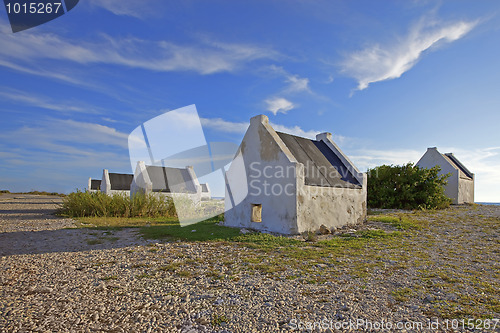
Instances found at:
x=57 y=278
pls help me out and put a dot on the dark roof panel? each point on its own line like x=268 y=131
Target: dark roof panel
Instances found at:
x=464 y=172
x=120 y=181
x=167 y=179
x=321 y=165
x=95 y=184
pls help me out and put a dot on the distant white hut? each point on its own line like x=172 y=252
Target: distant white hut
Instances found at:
x=460 y=187
x=94 y=185
x=116 y=183
x=205 y=192
x=166 y=181
x=294 y=184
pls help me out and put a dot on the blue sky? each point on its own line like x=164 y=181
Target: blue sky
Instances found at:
x=387 y=78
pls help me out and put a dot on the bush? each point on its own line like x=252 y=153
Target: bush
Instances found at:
x=80 y=204
x=406 y=187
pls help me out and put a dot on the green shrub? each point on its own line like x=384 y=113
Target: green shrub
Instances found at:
x=80 y=204
x=406 y=187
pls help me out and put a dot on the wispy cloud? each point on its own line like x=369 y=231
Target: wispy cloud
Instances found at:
x=296 y=130
x=43 y=102
x=138 y=9
x=204 y=56
x=32 y=70
x=384 y=62
x=60 y=154
x=294 y=83
x=278 y=104
x=221 y=125
x=65 y=135
x=369 y=158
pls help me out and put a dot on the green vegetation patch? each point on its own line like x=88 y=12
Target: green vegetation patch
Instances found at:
x=406 y=187
x=399 y=222
x=98 y=204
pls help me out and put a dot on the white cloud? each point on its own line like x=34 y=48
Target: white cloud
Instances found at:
x=60 y=155
x=40 y=72
x=138 y=9
x=369 y=158
x=63 y=136
x=221 y=125
x=204 y=56
x=295 y=82
x=377 y=63
x=295 y=130
x=279 y=104
x=42 y=102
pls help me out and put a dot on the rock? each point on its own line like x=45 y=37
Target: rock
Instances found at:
x=324 y=230
x=203 y=321
x=244 y=231
x=429 y=299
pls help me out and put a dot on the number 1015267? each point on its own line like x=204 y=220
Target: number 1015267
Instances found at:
x=34 y=8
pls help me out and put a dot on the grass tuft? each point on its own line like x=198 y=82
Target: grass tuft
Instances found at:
x=98 y=204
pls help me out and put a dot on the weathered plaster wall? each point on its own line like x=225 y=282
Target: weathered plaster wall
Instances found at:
x=332 y=207
x=465 y=190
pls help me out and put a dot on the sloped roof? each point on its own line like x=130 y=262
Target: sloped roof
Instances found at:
x=95 y=184
x=166 y=179
x=322 y=167
x=463 y=171
x=120 y=181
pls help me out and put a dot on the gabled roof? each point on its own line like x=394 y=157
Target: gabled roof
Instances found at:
x=464 y=172
x=120 y=181
x=166 y=179
x=322 y=167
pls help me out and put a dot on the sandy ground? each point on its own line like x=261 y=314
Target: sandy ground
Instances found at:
x=28 y=226
x=57 y=278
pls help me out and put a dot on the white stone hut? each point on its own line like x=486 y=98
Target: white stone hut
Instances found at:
x=460 y=187
x=116 y=183
x=94 y=185
x=166 y=181
x=294 y=184
x=205 y=192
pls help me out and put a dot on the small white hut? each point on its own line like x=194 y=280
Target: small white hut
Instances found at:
x=460 y=187
x=166 y=181
x=294 y=184
x=94 y=185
